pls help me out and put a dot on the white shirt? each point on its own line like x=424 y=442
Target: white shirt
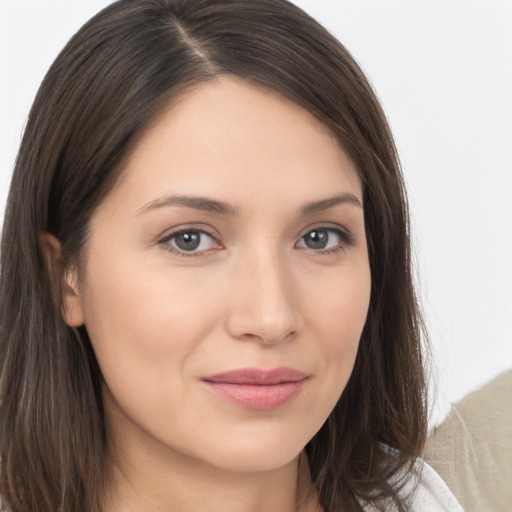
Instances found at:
x=432 y=493
x=429 y=492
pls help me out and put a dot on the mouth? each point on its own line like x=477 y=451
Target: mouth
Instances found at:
x=257 y=389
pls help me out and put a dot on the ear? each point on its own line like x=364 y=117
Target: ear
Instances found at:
x=65 y=279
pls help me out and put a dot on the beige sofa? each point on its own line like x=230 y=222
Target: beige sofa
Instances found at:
x=472 y=449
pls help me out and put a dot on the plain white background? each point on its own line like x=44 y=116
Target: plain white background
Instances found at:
x=443 y=71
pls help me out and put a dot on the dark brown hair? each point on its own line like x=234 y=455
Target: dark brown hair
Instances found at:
x=108 y=83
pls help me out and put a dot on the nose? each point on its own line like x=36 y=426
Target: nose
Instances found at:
x=264 y=305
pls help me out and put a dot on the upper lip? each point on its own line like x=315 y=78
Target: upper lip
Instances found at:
x=257 y=376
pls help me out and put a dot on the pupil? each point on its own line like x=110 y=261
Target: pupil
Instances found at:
x=317 y=239
x=188 y=241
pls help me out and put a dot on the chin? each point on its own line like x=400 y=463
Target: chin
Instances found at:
x=256 y=461
x=256 y=453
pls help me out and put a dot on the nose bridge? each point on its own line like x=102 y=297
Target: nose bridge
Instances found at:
x=264 y=305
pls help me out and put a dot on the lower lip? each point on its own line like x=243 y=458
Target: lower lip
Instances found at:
x=261 y=398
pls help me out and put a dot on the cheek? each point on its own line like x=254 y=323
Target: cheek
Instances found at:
x=144 y=308
x=144 y=330
x=338 y=316
x=341 y=308
x=144 y=327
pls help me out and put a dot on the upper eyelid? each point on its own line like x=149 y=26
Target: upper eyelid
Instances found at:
x=215 y=235
x=328 y=227
x=170 y=233
x=344 y=234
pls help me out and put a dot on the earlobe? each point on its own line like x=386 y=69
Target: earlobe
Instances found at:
x=65 y=280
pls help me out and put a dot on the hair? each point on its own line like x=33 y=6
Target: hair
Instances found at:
x=106 y=86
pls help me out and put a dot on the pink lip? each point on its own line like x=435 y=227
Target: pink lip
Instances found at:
x=253 y=388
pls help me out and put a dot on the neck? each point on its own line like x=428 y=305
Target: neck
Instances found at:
x=151 y=477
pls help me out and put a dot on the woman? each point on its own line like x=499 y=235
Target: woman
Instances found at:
x=207 y=235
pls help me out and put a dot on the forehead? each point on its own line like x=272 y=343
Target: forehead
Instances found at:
x=237 y=141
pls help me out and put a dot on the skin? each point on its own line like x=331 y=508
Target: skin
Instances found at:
x=253 y=294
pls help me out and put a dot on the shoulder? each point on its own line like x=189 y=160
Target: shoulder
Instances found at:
x=472 y=448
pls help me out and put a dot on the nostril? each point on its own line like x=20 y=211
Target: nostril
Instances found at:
x=286 y=337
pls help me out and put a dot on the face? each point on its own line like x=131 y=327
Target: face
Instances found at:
x=225 y=282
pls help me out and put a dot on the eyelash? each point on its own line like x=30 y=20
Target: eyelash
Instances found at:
x=346 y=240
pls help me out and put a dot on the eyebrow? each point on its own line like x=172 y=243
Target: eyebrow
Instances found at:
x=211 y=205
x=196 y=202
x=325 y=204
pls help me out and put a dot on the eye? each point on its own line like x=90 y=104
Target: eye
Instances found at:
x=324 y=239
x=190 y=241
